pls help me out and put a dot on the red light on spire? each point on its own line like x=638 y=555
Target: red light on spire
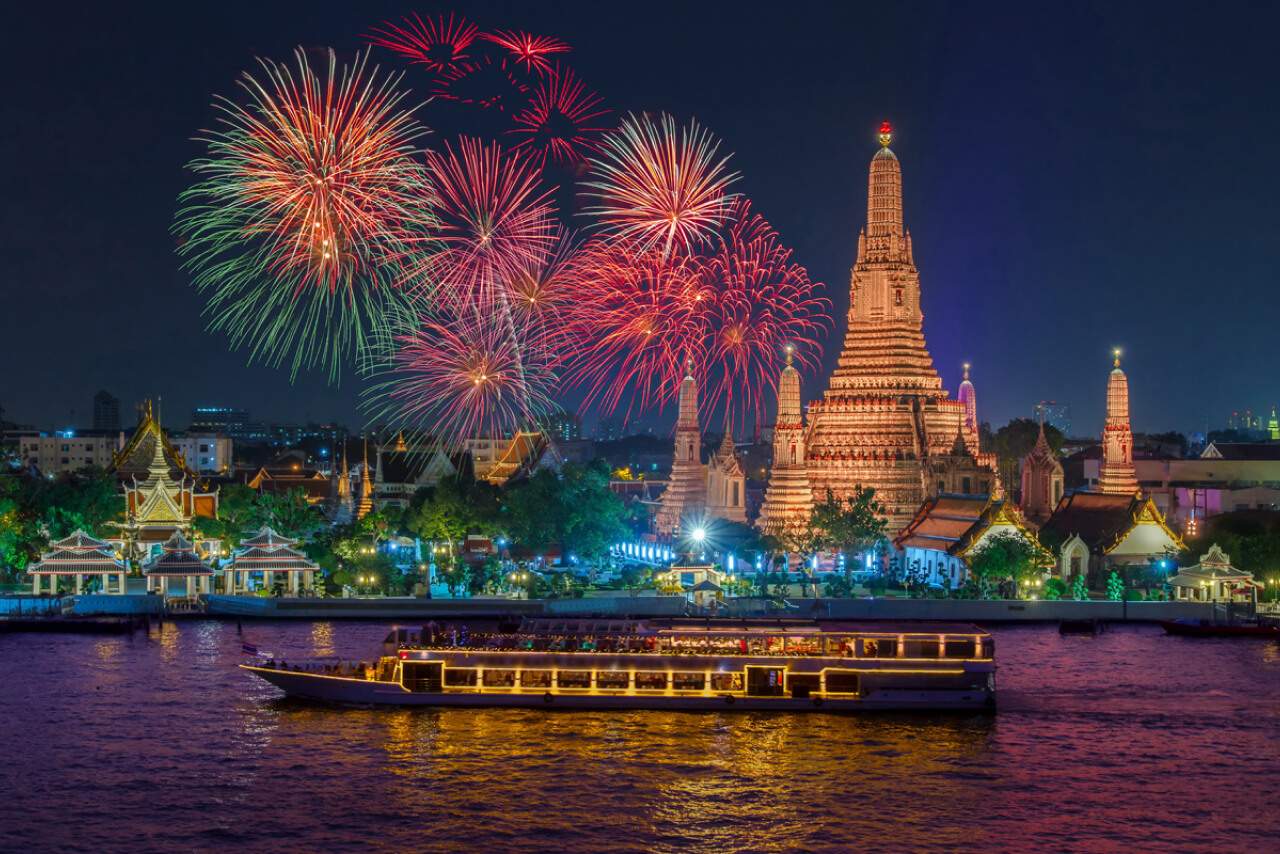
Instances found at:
x=885 y=127
x=886 y=134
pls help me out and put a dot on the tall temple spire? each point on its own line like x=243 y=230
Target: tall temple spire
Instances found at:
x=365 y=507
x=884 y=190
x=1117 y=475
x=788 y=498
x=968 y=396
x=1042 y=479
x=688 y=486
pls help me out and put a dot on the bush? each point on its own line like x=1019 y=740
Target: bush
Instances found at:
x=1054 y=589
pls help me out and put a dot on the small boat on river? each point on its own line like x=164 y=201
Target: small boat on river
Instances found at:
x=615 y=664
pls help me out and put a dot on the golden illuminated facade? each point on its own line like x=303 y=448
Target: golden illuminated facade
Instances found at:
x=885 y=421
x=788 y=499
x=1117 y=475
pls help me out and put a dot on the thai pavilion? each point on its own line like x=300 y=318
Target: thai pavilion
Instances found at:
x=161 y=493
x=82 y=558
x=270 y=556
x=1214 y=579
x=177 y=571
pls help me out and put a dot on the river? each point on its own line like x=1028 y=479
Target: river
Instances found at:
x=1130 y=740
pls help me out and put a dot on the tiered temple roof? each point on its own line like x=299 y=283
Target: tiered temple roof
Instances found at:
x=1103 y=521
x=178 y=558
x=1042 y=480
x=268 y=538
x=955 y=524
x=138 y=456
x=78 y=554
x=279 y=559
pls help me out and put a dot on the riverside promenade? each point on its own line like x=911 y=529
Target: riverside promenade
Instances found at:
x=412 y=608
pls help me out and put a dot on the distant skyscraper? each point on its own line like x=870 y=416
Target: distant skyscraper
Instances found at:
x=106 y=411
x=563 y=426
x=219 y=419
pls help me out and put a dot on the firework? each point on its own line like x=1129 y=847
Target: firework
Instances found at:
x=527 y=49
x=303 y=198
x=463 y=376
x=492 y=220
x=640 y=319
x=562 y=118
x=659 y=185
x=763 y=302
x=542 y=293
x=441 y=44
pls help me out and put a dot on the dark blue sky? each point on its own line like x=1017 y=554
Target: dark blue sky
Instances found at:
x=1076 y=177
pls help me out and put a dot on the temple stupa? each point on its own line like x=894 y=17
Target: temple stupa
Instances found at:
x=1117 y=475
x=885 y=421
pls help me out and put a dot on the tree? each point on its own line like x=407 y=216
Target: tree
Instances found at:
x=1115 y=587
x=852 y=526
x=1054 y=589
x=20 y=536
x=574 y=509
x=289 y=514
x=1079 y=588
x=1003 y=557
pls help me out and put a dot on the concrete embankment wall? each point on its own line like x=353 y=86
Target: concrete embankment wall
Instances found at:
x=18 y=605
x=96 y=604
x=999 y=610
x=405 y=608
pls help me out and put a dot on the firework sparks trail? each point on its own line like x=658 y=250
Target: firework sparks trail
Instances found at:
x=492 y=221
x=527 y=49
x=641 y=318
x=304 y=196
x=542 y=297
x=660 y=186
x=464 y=375
x=763 y=302
x=441 y=44
x=487 y=82
x=562 y=120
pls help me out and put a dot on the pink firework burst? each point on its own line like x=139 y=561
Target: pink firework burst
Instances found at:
x=527 y=49
x=486 y=82
x=562 y=119
x=640 y=319
x=464 y=376
x=763 y=304
x=659 y=185
x=493 y=221
x=441 y=44
x=541 y=294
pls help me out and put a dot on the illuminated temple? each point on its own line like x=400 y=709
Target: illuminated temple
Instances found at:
x=885 y=420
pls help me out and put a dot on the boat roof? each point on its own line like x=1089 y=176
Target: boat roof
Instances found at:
x=574 y=626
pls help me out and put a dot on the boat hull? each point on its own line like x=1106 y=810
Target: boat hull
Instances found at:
x=365 y=693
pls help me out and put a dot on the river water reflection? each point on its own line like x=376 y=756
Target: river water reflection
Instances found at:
x=1129 y=740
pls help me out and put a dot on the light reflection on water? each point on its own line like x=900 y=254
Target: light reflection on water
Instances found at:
x=1126 y=740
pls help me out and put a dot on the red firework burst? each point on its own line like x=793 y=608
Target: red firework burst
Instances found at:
x=562 y=118
x=438 y=43
x=540 y=296
x=640 y=319
x=530 y=50
x=660 y=185
x=486 y=82
x=466 y=376
x=763 y=303
x=492 y=220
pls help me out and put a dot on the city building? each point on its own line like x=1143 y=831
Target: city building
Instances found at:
x=1042 y=481
x=67 y=452
x=225 y=420
x=106 y=412
x=936 y=544
x=885 y=420
x=562 y=426
x=1117 y=475
x=401 y=470
x=206 y=453
x=1094 y=532
x=497 y=461
x=697 y=491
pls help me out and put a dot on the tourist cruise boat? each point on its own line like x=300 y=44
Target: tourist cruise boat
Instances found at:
x=592 y=664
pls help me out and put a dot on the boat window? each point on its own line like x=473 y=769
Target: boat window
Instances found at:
x=879 y=647
x=960 y=647
x=726 y=681
x=651 y=681
x=803 y=684
x=842 y=683
x=535 y=678
x=775 y=645
x=921 y=647
x=499 y=678
x=988 y=648
x=803 y=645
x=574 y=678
x=613 y=679
x=460 y=676
x=688 y=681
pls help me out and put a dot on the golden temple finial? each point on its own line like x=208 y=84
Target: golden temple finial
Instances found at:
x=1116 y=353
x=886 y=134
x=966 y=370
x=790 y=348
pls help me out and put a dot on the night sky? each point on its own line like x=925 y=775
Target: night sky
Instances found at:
x=1076 y=178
